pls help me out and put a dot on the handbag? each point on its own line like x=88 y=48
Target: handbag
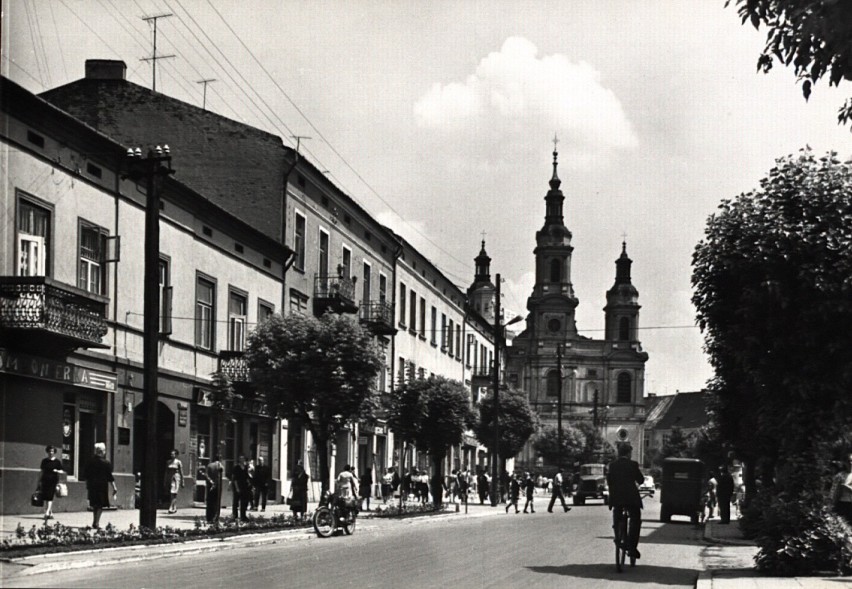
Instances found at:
x=61 y=490
x=36 y=500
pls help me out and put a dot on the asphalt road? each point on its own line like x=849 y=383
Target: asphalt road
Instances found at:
x=495 y=550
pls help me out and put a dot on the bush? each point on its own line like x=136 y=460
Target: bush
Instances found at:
x=395 y=510
x=797 y=536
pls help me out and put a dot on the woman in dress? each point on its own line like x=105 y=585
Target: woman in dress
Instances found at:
x=299 y=491
x=98 y=473
x=174 y=479
x=51 y=468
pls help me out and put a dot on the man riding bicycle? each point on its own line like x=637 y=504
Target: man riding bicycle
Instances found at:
x=623 y=476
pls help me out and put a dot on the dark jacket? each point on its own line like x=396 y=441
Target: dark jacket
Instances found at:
x=622 y=477
x=725 y=486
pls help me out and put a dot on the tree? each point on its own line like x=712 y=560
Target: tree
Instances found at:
x=678 y=445
x=573 y=445
x=433 y=413
x=597 y=449
x=815 y=36
x=517 y=423
x=318 y=372
x=773 y=295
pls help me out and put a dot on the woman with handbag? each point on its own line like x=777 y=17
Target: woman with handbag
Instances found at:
x=51 y=468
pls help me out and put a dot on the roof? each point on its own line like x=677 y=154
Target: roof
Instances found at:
x=687 y=411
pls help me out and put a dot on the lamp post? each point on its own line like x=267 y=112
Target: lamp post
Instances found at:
x=498 y=342
x=152 y=168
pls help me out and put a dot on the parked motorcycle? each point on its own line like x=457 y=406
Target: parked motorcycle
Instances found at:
x=335 y=513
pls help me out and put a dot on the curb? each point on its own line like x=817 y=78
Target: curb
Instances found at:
x=704 y=580
x=709 y=537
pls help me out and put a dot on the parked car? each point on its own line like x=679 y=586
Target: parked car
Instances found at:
x=647 y=487
x=591 y=484
x=682 y=491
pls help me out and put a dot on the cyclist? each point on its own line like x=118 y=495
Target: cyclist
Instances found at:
x=623 y=476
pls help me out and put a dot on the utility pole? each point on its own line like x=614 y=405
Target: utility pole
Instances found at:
x=205 y=82
x=495 y=453
x=154 y=57
x=559 y=405
x=153 y=169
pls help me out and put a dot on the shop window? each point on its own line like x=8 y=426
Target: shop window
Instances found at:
x=33 y=239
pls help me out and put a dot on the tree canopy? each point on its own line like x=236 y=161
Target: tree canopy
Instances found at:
x=815 y=36
x=319 y=372
x=773 y=292
x=573 y=445
x=517 y=422
x=434 y=414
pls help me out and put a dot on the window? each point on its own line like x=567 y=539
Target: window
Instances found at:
x=624 y=329
x=92 y=269
x=449 y=341
x=469 y=349
x=264 y=311
x=402 y=304
x=383 y=288
x=553 y=383
x=299 y=242
x=367 y=286
x=459 y=343
x=346 y=265
x=298 y=302
x=443 y=332
x=205 y=305
x=412 y=325
x=422 y=318
x=555 y=270
x=237 y=305
x=623 y=394
x=33 y=239
x=434 y=326
x=323 y=253
x=165 y=297
x=401 y=372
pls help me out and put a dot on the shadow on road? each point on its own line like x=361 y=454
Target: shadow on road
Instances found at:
x=662 y=575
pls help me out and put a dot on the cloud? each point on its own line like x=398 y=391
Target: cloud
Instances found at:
x=515 y=93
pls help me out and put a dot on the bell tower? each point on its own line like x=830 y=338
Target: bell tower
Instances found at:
x=481 y=293
x=622 y=303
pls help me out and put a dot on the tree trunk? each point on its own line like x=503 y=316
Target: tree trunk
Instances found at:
x=437 y=480
x=322 y=451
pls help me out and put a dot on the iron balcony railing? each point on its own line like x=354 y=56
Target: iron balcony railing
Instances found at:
x=336 y=292
x=378 y=317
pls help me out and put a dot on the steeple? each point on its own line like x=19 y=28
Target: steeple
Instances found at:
x=622 y=302
x=554 y=198
x=483 y=266
x=481 y=293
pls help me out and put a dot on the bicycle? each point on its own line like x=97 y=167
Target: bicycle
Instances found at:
x=620 y=517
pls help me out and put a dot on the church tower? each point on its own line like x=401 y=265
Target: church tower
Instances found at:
x=481 y=293
x=622 y=307
x=552 y=303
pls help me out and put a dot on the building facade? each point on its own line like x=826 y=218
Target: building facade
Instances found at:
x=599 y=380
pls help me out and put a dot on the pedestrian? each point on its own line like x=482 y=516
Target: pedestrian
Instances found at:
x=213 y=478
x=252 y=504
x=463 y=484
x=51 y=468
x=239 y=489
x=387 y=484
x=514 y=493
x=529 y=487
x=841 y=490
x=504 y=485
x=407 y=484
x=299 y=491
x=173 y=479
x=557 y=493
x=423 y=486
x=710 y=496
x=98 y=473
x=262 y=475
x=482 y=486
x=366 y=487
x=724 y=494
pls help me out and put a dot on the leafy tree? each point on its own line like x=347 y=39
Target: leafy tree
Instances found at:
x=433 y=413
x=517 y=423
x=773 y=296
x=678 y=445
x=573 y=445
x=815 y=36
x=319 y=372
x=597 y=449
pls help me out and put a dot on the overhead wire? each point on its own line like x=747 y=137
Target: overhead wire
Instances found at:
x=58 y=40
x=35 y=45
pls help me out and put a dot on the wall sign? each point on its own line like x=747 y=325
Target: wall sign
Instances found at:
x=56 y=371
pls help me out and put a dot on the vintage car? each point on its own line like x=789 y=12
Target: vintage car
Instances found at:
x=647 y=488
x=682 y=491
x=591 y=484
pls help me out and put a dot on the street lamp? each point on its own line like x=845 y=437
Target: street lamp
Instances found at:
x=498 y=341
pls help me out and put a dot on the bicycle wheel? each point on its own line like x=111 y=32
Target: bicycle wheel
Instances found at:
x=620 y=541
x=323 y=522
x=348 y=524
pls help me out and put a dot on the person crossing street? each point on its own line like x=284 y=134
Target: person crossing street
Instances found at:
x=557 y=493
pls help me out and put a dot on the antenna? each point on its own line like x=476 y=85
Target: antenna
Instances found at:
x=154 y=57
x=298 y=139
x=205 y=82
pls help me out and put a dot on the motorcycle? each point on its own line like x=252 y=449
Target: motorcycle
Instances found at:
x=335 y=513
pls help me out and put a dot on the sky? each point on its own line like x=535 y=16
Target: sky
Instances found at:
x=439 y=117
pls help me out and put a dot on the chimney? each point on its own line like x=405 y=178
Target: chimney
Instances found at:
x=105 y=69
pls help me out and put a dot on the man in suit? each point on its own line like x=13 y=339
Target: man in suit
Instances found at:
x=623 y=478
x=262 y=475
x=213 y=477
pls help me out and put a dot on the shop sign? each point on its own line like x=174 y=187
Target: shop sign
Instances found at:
x=56 y=371
x=183 y=413
x=204 y=398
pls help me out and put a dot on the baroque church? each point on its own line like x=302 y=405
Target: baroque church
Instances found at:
x=602 y=380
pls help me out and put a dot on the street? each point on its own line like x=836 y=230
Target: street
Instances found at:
x=492 y=550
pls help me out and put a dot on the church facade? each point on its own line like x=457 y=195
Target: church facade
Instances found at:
x=601 y=380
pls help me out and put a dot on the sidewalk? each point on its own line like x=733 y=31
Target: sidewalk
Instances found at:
x=731 y=564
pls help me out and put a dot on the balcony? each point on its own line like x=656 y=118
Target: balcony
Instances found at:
x=42 y=315
x=335 y=293
x=481 y=376
x=377 y=316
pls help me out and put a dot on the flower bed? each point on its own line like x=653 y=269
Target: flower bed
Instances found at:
x=408 y=510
